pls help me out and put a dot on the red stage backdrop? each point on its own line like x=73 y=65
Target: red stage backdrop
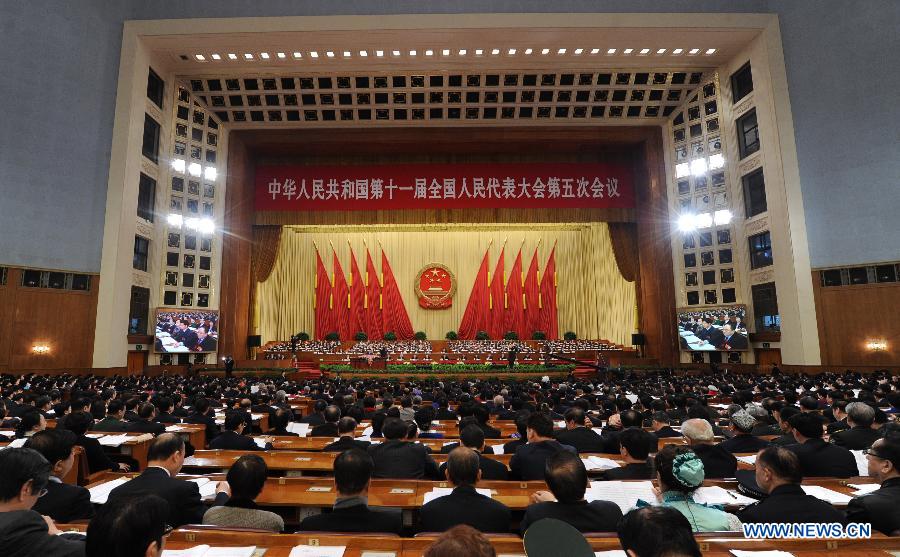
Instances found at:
x=444 y=186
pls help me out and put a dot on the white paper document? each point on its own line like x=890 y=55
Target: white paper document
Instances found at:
x=624 y=494
x=599 y=463
x=862 y=465
x=715 y=495
x=207 y=551
x=18 y=443
x=826 y=494
x=113 y=440
x=100 y=493
x=174 y=428
x=750 y=459
x=862 y=489
x=497 y=449
x=368 y=431
x=317 y=551
x=442 y=491
x=771 y=553
x=207 y=487
x=260 y=442
x=300 y=429
x=611 y=553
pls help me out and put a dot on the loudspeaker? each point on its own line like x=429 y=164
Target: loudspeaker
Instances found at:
x=638 y=339
x=254 y=341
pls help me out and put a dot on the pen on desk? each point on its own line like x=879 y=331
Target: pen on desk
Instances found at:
x=733 y=496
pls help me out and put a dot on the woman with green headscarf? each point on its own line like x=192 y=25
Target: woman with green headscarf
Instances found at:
x=679 y=472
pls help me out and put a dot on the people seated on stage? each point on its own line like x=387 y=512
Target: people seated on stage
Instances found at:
x=30 y=423
x=528 y=461
x=473 y=438
x=567 y=479
x=165 y=457
x=679 y=472
x=860 y=435
x=328 y=429
x=461 y=541
x=63 y=502
x=129 y=527
x=146 y=422
x=743 y=441
x=279 y=422
x=400 y=459
x=660 y=425
x=657 y=532
x=114 y=421
x=232 y=437
x=578 y=435
x=818 y=458
x=202 y=413
x=464 y=505
x=717 y=462
x=879 y=508
x=635 y=445
x=97 y=459
x=351 y=512
x=24 y=474
x=245 y=479
x=778 y=475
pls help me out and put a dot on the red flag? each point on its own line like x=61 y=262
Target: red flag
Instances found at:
x=341 y=300
x=532 y=293
x=549 y=318
x=515 y=299
x=496 y=306
x=357 y=293
x=323 y=295
x=372 y=300
x=395 y=317
x=477 y=312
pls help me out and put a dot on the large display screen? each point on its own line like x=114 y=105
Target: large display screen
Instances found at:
x=713 y=329
x=184 y=331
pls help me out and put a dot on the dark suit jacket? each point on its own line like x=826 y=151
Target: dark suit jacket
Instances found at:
x=212 y=429
x=717 y=462
x=110 y=424
x=96 y=456
x=818 y=458
x=765 y=429
x=143 y=426
x=445 y=414
x=839 y=425
x=736 y=342
x=65 y=502
x=743 y=443
x=641 y=471
x=183 y=497
x=25 y=534
x=596 y=516
x=788 y=503
x=856 y=438
x=786 y=439
x=583 y=439
x=345 y=443
x=358 y=518
x=666 y=432
x=490 y=469
x=231 y=441
x=465 y=506
x=403 y=460
x=489 y=432
x=878 y=508
x=313 y=419
x=324 y=430
x=528 y=462
x=165 y=418
x=511 y=447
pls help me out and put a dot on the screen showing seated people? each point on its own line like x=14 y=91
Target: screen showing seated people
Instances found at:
x=182 y=331
x=713 y=328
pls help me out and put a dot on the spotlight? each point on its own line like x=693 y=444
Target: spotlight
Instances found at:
x=174 y=220
x=722 y=217
x=687 y=223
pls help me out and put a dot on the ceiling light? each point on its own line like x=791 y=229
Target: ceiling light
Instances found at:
x=661 y=51
x=412 y=52
x=429 y=52
x=445 y=52
x=611 y=51
x=282 y=55
x=694 y=51
x=313 y=54
x=698 y=167
x=687 y=222
x=528 y=51
x=628 y=50
x=545 y=51
x=395 y=52
x=329 y=53
x=264 y=55
x=511 y=52
x=710 y=51
x=479 y=52
x=298 y=55
x=579 y=50
x=495 y=51
x=192 y=223
x=363 y=53
x=178 y=165
x=206 y=226
x=682 y=170
x=678 y=51
x=379 y=53
x=346 y=54
x=716 y=161
x=645 y=51
x=703 y=220
x=200 y=57
x=174 y=220
x=561 y=51
x=216 y=57
x=194 y=169
x=462 y=52
x=248 y=56
x=232 y=56
x=210 y=173
x=722 y=217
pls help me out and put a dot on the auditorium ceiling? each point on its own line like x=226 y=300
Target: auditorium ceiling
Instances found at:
x=447 y=77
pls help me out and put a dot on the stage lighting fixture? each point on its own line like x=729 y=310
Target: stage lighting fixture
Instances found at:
x=194 y=169
x=687 y=222
x=698 y=167
x=206 y=226
x=682 y=170
x=209 y=173
x=716 y=161
x=178 y=165
x=722 y=216
x=192 y=223
x=174 y=220
x=703 y=220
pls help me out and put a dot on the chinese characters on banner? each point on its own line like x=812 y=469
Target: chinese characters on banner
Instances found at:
x=444 y=186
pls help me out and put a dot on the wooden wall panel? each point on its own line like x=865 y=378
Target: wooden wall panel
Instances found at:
x=64 y=320
x=850 y=316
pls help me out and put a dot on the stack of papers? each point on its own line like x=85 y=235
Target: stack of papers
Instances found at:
x=317 y=551
x=771 y=553
x=207 y=486
x=751 y=460
x=94 y=435
x=611 y=553
x=113 y=440
x=599 y=463
x=826 y=494
x=260 y=442
x=300 y=429
x=442 y=491
x=624 y=494
x=862 y=489
x=862 y=465
x=207 y=551
x=368 y=431
x=497 y=449
x=174 y=428
x=715 y=495
x=100 y=493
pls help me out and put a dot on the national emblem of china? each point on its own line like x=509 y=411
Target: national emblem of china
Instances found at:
x=435 y=286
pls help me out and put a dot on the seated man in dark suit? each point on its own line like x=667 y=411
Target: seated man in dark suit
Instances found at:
x=317 y=417
x=717 y=462
x=879 y=508
x=146 y=421
x=732 y=340
x=136 y=523
x=443 y=412
x=635 y=445
x=423 y=420
x=398 y=458
x=818 y=458
x=346 y=428
x=279 y=421
x=63 y=502
x=79 y=423
x=115 y=418
x=461 y=425
x=860 y=417
x=351 y=513
x=164 y=460
x=164 y=411
x=657 y=530
x=661 y=428
x=578 y=435
x=24 y=475
x=567 y=479
x=464 y=505
x=329 y=428
x=472 y=437
x=510 y=447
x=839 y=411
x=784 y=422
x=482 y=415
x=528 y=462
x=778 y=474
x=742 y=424
x=203 y=414
x=232 y=438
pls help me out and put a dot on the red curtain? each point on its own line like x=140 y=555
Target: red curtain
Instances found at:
x=341 y=305
x=532 y=293
x=372 y=300
x=324 y=324
x=623 y=237
x=357 y=295
x=515 y=299
x=477 y=311
x=496 y=307
x=395 y=317
x=549 y=317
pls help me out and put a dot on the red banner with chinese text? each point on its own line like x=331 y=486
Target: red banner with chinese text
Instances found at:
x=444 y=186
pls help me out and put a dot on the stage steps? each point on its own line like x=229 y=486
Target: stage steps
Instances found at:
x=308 y=370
